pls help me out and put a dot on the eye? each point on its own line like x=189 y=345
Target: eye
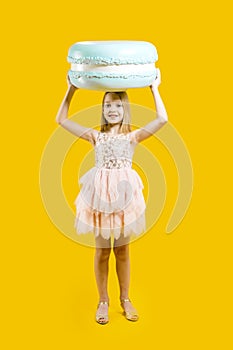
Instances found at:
x=119 y=105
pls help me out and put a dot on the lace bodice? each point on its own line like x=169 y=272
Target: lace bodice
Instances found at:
x=113 y=151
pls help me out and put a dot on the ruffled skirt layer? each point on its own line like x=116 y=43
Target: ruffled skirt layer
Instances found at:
x=110 y=202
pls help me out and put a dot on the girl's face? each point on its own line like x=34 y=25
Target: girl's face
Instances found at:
x=113 y=109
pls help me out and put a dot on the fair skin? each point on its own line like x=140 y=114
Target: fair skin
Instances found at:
x=113 y=113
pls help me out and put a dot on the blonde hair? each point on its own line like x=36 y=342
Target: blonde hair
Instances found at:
x=125 y=124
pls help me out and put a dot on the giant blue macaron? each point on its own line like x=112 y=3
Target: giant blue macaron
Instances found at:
x=112 y=65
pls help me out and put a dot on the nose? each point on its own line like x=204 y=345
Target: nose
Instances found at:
x=112 y=110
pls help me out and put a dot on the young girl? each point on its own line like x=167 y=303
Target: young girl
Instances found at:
x=111 y=199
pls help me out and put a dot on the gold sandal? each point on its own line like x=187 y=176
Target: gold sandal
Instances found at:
x=131 y=316
x=100 y=317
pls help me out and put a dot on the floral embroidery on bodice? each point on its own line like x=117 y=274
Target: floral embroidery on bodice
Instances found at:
x=113 y=151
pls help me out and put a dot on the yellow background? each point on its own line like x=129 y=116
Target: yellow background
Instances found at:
x=181 y=283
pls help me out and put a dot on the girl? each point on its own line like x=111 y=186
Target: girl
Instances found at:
x=111 y=199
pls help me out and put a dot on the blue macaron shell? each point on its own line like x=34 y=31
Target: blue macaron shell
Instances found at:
x=110 y=84
x=112 y=52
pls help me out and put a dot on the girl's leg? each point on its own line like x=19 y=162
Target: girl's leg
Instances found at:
x=121 y=251
x=102 y=253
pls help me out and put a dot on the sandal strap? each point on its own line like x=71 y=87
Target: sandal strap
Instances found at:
x=125 y=300
x=101 y=316
x=103 y=303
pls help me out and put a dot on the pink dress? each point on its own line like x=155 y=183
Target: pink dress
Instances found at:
x=111 y=200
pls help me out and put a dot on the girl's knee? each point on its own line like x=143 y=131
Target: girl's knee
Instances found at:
x=103 y=253
x=122 y=251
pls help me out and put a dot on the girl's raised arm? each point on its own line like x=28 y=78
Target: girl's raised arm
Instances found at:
x=88 y=134
x=149 y=129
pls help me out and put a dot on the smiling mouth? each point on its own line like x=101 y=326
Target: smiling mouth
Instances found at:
x=113 y=115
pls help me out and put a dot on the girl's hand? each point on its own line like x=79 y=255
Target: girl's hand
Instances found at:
x=157 y=80
x=69 y=83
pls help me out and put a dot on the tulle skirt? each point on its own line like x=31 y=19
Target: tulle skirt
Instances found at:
x=110 y=202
